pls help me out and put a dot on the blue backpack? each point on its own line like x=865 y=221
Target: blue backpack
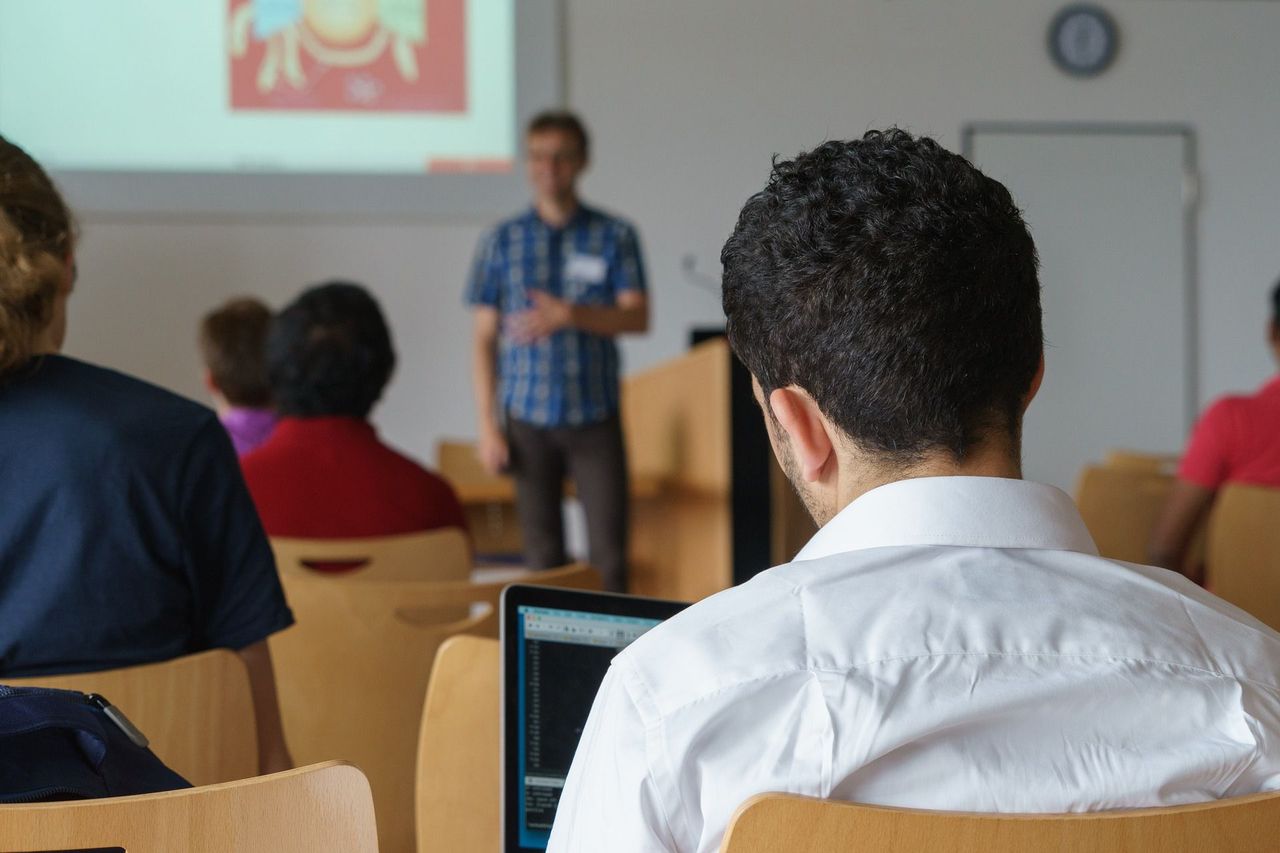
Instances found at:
x=67 y=745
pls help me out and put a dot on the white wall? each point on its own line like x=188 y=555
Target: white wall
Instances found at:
x=687 y=101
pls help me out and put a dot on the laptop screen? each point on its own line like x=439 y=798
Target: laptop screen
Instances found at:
x=561 y=658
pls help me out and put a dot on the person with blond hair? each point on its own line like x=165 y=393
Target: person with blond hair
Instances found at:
x=127 y=535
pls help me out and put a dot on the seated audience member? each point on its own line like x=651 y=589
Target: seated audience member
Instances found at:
x=949 y=639
x=232 y=343
x=126 y=534
x=324 y=473
x=1236 y=440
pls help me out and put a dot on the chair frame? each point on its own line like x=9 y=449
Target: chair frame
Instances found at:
x=322 y=807
x=784 y=823
x=442 y=554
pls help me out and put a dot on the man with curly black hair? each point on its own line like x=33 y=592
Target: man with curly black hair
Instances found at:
x=324 y=472
x=950 y=638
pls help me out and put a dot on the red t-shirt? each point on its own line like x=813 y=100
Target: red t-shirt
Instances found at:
x=331 y=477
x=1237 y=440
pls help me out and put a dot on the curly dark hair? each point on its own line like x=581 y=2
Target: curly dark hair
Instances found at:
x=897 y=285
x=329 y=352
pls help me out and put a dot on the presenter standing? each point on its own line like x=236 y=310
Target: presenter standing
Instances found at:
x=551 y=289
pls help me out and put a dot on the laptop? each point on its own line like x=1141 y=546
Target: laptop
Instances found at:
x=556 y=648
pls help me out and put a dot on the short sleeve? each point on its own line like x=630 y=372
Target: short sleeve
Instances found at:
x=628 y=271
x=1207 y=460
x=237 y=591
x=485 y=284
x=610 y=801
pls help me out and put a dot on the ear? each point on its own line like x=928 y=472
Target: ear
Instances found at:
x=1035 y=384
x=69 y=276
x=805 y=428
x=209 y=384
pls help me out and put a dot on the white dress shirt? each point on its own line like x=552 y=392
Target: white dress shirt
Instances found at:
x=945 y=643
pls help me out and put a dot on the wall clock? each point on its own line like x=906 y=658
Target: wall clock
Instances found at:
x=1083 y=40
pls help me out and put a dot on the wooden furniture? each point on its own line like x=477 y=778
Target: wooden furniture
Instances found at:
x=325 y=807
x=352 y=673
x=1120 y=507
x=677 y=428
x=1136 y=460
x=778 y=823
x=487 y=500
x=482 y=597
x=443 y=554
x=677 y=423
x=458 y=750
x=197 y=711
x=1243 y=556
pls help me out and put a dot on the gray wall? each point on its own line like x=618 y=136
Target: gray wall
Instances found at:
x=687 y=101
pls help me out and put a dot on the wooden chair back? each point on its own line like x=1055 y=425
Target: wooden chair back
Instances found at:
x=352 y=673
x=483 y=597
x=1244 y=550
x=432 y=555
x=458 y=463
x=324 y=807
x=458 y=750
x=780 y=823
x=1136 y=460
x=197 y=711
x=1120 y=507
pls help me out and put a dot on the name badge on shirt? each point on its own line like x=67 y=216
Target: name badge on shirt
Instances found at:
x=588 y=269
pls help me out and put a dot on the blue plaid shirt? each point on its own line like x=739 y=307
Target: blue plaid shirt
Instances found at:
x=569 y=378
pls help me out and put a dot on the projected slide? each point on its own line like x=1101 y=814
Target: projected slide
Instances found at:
x=384 y=55
x=288 y=86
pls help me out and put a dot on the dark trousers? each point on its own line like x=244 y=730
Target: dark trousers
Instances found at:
x=594 y=457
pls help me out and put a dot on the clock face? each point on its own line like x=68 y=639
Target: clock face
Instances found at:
x=1082 y=40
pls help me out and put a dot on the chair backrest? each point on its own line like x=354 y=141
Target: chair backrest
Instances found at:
x=352 y=673
x=780 y=823
x=458 y=463
x=458 y=750
x=1120 y=507
x=432 y=555
x=1244 y=550
x=197 y=711
x=1136 y=460
x=482 y=598
x=325 y=807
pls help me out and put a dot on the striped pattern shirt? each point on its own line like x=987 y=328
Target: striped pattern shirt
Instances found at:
x=571 y=377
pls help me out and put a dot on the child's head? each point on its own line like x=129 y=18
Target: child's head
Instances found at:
x=232 y=342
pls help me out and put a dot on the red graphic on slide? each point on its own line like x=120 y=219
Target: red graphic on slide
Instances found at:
x=361 y=55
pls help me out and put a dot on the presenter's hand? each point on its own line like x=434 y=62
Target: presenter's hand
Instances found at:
x=493 y=451
x=547 y=316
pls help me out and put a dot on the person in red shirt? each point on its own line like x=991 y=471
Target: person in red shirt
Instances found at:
x=1236 y=440
x=324 y=473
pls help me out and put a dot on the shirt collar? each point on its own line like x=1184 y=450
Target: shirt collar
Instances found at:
x=978 y=512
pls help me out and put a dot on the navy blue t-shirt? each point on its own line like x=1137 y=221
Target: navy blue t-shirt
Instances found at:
x=126 y=532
